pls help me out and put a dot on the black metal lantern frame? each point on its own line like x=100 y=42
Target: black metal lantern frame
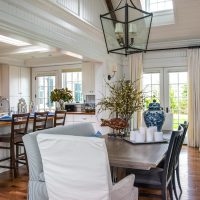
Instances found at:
x=121 y=37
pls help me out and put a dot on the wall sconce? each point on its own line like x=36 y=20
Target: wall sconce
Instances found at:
x=114 y=70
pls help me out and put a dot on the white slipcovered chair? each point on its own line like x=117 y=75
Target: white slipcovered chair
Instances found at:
x=77 y=168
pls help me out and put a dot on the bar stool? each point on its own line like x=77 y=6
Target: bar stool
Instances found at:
x=59 y=118
x=19 y=127
x=40 y=121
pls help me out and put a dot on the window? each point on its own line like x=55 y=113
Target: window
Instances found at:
x=158 y=5
x=162 y=9
x=45 y=84
x=73 y=81
x=151 y=87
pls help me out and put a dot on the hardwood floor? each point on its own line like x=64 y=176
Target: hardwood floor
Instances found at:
x=189 y=171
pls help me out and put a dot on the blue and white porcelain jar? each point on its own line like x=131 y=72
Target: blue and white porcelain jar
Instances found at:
x=154 y=116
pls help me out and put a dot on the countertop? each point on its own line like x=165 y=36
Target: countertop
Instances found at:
x=81 y=113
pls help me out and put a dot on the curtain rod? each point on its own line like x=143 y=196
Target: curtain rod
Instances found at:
x=174 y=48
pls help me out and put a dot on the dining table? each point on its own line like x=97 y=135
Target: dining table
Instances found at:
x=123 y=154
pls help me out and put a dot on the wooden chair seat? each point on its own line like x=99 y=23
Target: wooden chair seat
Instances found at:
x=6 y=138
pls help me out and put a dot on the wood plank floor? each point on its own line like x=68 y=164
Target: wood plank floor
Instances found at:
x=189 y=169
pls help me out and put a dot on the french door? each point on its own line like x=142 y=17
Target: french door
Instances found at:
x=169 y=86
x=44 y=86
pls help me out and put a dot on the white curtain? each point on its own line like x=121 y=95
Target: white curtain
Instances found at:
x=136 y=70
x=194 y=97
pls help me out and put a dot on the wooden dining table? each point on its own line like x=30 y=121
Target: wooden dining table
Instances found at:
x=136 y=156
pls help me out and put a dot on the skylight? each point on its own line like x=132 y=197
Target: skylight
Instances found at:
x=163 y=12
x=158 y=5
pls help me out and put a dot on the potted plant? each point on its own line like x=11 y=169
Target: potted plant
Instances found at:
x=61 y=96
x=124 y=99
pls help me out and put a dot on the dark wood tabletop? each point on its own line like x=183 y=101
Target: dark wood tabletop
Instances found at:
x=127 y=155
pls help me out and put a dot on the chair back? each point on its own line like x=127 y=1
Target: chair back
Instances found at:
x=172 y=152
x=59 y=118
x=19 y=124
x=75 y=167
x=185 y=128
x=40 y=121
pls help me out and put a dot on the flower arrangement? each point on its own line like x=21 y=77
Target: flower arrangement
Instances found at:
x=124 y=99
x=61 y=96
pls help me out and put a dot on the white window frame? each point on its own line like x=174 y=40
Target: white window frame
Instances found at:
x=147 y=6
x=166 y=81
x=71 y=71
x=157 y=70
x=35 y=82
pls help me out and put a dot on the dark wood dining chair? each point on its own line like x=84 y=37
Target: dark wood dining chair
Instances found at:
x=19 y=126
x=160 y=178
x=176 y=166
x=40 y=121
x=59 y=118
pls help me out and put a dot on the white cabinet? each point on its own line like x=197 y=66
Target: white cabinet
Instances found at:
x=19 y=85
x=16 y=84
x=88 y=78
x=93 y=119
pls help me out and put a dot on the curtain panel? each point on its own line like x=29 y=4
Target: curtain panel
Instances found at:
x=194 y=97
x=136 y=71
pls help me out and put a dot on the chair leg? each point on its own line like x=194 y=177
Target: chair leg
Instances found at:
x=17 y=156
x=164 y=193
x=13 y=160
x=178 y=180
x=26 y=160
x=174 y=185
x=170 y=190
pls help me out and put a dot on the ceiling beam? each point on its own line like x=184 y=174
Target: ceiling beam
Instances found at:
x=111 y=8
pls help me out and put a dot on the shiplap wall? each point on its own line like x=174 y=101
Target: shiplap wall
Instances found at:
x=87 y=10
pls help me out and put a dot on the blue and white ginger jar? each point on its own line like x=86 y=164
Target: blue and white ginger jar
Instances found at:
x=154 y=116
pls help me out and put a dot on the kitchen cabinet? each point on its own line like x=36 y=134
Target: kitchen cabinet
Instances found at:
x=88 y=78
x=16 y=81
x=73 y=119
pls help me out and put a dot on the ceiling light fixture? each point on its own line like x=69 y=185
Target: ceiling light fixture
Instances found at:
x=126 y=29
x=69 y=53
x=12 y=41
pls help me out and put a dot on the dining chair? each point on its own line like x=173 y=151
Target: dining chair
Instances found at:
x=160 y=178
x=40 y=121
x=59 y=118
x=78 y=168
x=176 y=166
x=19 y=127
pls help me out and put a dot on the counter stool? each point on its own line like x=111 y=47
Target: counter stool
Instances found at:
x=19 y=127
x=59 y=118
x=40 y=121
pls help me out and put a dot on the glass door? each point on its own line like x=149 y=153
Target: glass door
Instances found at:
x=44 y=86
x=169 y=86
x=176 y=94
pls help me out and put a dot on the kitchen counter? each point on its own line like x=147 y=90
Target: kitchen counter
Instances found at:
x=81 y=113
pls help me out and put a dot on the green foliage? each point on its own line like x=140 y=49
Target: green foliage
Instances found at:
x=61 y=94
x=148 y=100
x=124 y=99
